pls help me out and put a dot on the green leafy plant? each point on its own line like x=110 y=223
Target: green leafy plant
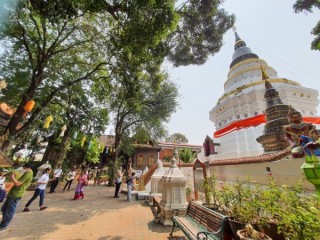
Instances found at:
x=211 y=193
x=188 y=191
x=296 y=213
x=186 y=155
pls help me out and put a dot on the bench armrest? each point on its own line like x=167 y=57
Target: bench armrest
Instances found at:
x=206 y=234
x=176 y=211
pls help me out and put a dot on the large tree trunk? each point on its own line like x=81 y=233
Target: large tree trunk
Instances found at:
x=54 y=153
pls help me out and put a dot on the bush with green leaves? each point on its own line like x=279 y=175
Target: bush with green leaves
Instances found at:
x=296 y=212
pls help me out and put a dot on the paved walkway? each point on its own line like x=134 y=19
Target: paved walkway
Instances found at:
x=98 y=216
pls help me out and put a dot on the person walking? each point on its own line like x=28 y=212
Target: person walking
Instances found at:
x=3 y=192
x=57 y=174
x=14 y=196
x=118 y=182
x=130 y=184
x=40 y=190
x=70 y=176
x=82 y=181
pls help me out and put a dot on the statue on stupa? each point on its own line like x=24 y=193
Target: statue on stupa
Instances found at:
x=302 y=137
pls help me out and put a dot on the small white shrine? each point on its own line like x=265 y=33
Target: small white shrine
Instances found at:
x=156 y=185
x=41 y=169
x=173 y=192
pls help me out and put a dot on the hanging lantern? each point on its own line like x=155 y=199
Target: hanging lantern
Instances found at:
x=29 y=106
x=47 y=122
x=75 y=135
x=101 y=149
x=89 y=144
x=82 y=141
x=63 y=129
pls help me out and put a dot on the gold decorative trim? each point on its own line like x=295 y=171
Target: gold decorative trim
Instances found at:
x=239 y=89
x=247 y=70
x=246 y=61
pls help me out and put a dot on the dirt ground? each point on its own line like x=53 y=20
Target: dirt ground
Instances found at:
x=98 y=216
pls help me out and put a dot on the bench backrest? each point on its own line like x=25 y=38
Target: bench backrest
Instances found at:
x=212 y=220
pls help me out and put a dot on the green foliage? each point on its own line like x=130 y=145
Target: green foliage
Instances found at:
x=211 y=192
x=177 y=138
x=199 y=33
x=188 y=191
x=186 y=155
x=166 y=159
x=93 y=152
x=307 y=6
x=295 y=212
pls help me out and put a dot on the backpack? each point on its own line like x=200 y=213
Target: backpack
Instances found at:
x=129 y=181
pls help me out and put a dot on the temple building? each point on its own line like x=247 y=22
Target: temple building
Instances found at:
x=249 y=102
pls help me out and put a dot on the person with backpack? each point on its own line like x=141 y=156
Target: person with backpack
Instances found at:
x=130 y=184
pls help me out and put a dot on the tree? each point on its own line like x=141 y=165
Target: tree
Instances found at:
x=44 y=38
x=177 y=138
x=199 y=33
x=43 y=53
x=47 y=44
x=80 y=112
x=307 y=6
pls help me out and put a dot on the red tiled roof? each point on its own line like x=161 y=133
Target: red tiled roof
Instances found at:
x=271 y=157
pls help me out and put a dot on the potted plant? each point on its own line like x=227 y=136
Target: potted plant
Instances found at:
x=269 y=210
x=300 y=214
x=211 y=193
x=241 y=210
x=189 y=194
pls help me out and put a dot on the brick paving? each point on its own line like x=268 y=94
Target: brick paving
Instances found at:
x=98 y=216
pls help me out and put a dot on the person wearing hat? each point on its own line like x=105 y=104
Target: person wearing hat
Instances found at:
x=3 y=192
x=15 y=194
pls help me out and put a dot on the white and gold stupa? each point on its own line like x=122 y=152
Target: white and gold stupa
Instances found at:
x=239 y=115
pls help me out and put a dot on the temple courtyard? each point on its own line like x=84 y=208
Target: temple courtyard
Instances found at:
x=98 y=216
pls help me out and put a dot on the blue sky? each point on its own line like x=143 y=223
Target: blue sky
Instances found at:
x=274 y=32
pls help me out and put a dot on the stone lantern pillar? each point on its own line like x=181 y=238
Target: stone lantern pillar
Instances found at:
x=41 y=169
x=156 y=184
x=173 y=192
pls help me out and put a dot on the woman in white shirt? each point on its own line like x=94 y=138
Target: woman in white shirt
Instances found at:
x=40 y=190
x=3 y=184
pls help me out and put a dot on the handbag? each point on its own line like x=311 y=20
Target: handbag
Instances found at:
x=85 y=183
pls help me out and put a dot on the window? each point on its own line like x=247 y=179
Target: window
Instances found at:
x=151 y=160
x=140 y=160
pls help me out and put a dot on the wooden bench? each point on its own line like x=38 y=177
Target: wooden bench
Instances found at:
x=200 y=222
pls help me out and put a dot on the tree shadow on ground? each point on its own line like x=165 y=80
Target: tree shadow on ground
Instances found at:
x=65 y=214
